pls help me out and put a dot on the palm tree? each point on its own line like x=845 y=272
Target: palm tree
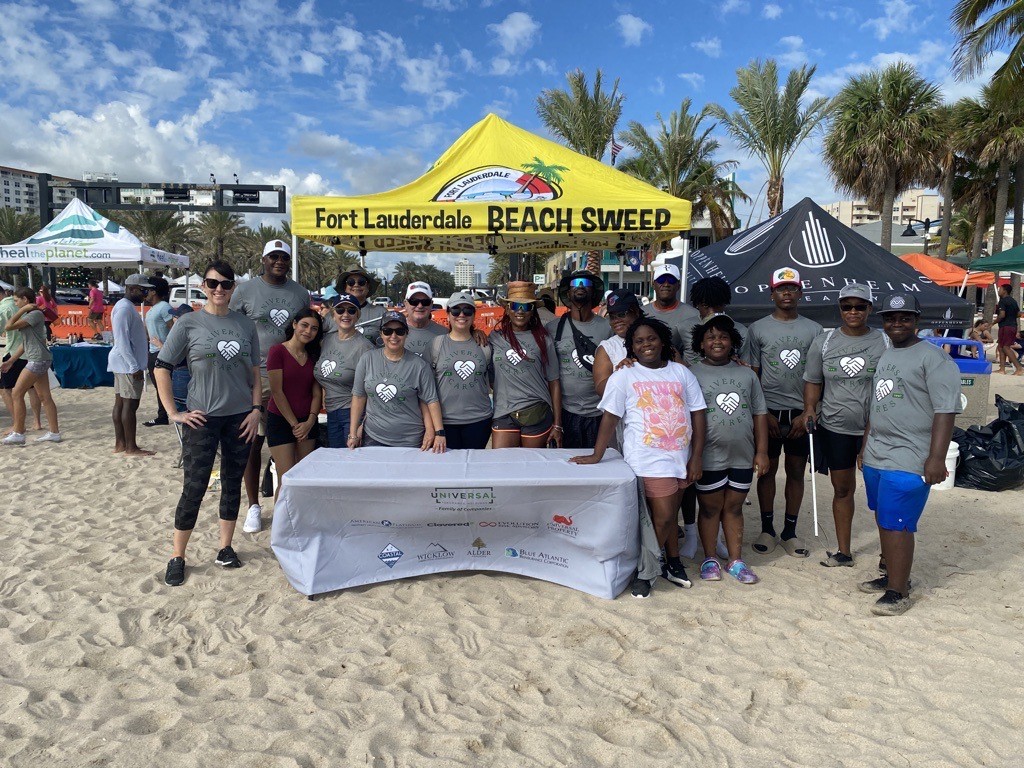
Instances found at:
x=15 y=227
x=884 y=132
x=771 y=124
x=164 y=230
x=405 y=272
x=223 y=235
x=946 y=162
x=583 y=118
x=985 y=26
x=713 y=193
x=550 y=172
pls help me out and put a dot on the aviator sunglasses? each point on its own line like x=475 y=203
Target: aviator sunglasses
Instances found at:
x=400 y=330
x=212 y=284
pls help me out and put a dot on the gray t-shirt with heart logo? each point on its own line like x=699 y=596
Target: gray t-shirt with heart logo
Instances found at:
x=844 y=366
x=778 y=348
x=734 y=397
x=336 y=368
x=578 y=393
x=271 y=307
x=221 y=352
x=519 y=381
x=462 y=370
x=393 y=391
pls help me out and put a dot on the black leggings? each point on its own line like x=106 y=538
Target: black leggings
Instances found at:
x=199 y=450
x=472 y=436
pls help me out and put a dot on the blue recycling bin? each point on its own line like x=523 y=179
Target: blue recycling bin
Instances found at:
x=975 y=378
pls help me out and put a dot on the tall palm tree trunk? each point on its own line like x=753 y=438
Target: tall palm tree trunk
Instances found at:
x=1018 y=201
x=947 y=213
x=775 y=196
x=1002 y=198
x=979 y=237
x=888 y=201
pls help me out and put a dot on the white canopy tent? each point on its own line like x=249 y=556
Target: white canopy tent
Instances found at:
x=79 y=236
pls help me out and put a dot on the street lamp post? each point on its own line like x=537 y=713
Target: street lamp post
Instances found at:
x=909 y=231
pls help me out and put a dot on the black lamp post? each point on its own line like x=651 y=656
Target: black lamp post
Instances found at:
x=909 y=231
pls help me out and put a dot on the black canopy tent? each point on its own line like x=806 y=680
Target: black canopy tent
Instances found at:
x=828 y=255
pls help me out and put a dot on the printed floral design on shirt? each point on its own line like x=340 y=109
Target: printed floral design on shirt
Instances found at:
x=663 y=407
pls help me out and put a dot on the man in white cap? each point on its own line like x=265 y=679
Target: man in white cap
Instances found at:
x=776 y=348
x=419 y=303
x=271 y=301
x=128 y=361
x=668 y=307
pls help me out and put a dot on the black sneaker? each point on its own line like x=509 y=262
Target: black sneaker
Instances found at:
x=676 y=573
x=158 y=422
x=881 y=584
x=228 y=559
x=837 y=560
x=641 y=588
x=892 y=603
x=175 y=576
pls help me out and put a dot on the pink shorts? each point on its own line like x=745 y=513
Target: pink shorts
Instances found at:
x=660 y=487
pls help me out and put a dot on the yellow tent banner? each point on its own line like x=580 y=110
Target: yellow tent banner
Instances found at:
x=499 y=189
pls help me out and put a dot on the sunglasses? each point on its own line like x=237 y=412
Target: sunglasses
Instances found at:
x=854 y=307
x=581 y=282
x=400 y=330
x=666 y=280
x=212 y=284
x=519 y=306
x=278 y=257
x=345 y=309
x=460 y=311
x=356 y=281
x=419 y=302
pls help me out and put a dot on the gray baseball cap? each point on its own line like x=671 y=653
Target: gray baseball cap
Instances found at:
x=140 y=280
x=899 y=302
x=461 y=297
x=856 y=291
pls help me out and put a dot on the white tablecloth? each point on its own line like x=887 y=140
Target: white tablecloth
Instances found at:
x=345 y=518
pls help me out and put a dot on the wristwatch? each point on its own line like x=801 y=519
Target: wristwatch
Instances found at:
x=260 y=408
x=439 y=433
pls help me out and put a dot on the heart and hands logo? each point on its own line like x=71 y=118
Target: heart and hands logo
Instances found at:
x=790 y=357
x=883 y=388
x=464 y=368
x=728 y=401
x=386 y=392
x=513 y=356
x=228 y=349
x=279 y=317
x=327 y=367
x=852 y=365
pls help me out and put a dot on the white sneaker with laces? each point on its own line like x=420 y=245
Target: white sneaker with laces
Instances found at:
x=49 y=437
x=253 y=524
x=15 y=438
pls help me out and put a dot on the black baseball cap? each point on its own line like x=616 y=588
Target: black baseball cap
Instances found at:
x=622 y=300
x=900 y=302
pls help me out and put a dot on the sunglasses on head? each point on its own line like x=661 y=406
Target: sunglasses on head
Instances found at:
x=519 y=306
x=356 y=281
x=346 y=309
x=212 y=284
x=460 y=311
x=419 y=302
x=854 y=307
x=400 y=330
x=581 y=282
x=279 y=257
x=666 y=280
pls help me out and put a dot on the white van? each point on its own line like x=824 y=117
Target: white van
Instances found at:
x=182 y=295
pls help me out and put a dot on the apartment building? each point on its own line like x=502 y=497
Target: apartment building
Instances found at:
x=918 y=204
x=19 y=190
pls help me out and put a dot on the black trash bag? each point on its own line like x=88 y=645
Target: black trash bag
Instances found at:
x=1007 y=410
x=992 y=457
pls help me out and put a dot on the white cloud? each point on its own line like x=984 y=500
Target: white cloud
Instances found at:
x=516 y=34
x=734 y=6
x=347 y=39
x=896 y=17
x=311 y=63
x=468 y=60
x=500 y=65
x=771 y=11
x=306 y=14
x=163 y=84
x=98 y=8
x=710 y=46
x=694 y=79
x=953 y=90
x=793 y=54
x=632 y=28
x=444 y=5
x=657 y=87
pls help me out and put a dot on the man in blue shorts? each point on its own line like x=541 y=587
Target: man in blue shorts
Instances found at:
x=915 y=397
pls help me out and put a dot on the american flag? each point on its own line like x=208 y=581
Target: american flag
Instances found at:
x=616 y=148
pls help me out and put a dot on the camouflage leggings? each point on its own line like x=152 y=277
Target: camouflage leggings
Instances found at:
x=199 y=451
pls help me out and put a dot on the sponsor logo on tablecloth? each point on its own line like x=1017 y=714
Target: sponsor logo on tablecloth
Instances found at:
x=390 y=555
x=563 y=524
x=478 y=549
x=435 y=552
x=382 y=524
x=538 y=556
x=527 y=524
x=463 y=499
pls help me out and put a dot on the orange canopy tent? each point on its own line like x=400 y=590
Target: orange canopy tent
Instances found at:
x=945 y=274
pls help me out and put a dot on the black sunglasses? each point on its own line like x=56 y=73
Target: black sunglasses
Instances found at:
x=212 y=284
x=279 y=257
x=346 y=309
x=419 y=302
x=854 y=307
x=356 y=281
x=460 y=311
x=400 y=330
x=666 y=280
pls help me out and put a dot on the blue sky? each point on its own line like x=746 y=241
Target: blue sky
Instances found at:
x=354 y=97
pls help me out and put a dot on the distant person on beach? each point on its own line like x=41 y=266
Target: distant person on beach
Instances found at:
x=158 y=325
x=46 y=302
x=95 y=317
x=14 y=352
x=915 y=399
x=222 y=410
x=128 y=361
x=419 y=303
x=776 y=349
x=982 y=332
x=270 y=300
x=28 y=319
x=1007 y=312
x=336 y=367
x=837 y=395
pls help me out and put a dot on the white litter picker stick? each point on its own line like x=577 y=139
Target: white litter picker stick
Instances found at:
x=814 y=485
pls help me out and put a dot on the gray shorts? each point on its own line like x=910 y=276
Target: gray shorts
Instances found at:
x=127 y=387
x=37 y=368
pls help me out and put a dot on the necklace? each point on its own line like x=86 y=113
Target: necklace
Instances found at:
x=387 y=365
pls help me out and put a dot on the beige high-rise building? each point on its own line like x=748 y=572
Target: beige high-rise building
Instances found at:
x=913 y=204
x=20 y=190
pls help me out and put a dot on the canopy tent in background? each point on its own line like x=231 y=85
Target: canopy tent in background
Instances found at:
x=499 y=189
x=1011 y=260
x=80 y=236
x=828 y=255
x=945 y=274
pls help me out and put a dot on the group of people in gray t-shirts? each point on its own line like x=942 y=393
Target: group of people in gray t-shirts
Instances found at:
x=387 y=378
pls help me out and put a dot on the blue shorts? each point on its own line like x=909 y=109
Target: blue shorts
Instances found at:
x=897 y=498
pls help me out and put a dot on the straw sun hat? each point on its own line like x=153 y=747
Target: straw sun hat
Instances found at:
x=520 y=291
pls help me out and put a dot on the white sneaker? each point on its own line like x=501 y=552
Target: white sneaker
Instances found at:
x=49 y=437
x=15 y=438
x=688 y=548
x=253 y=524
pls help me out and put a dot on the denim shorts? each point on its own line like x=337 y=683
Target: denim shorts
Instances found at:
x=897 y=498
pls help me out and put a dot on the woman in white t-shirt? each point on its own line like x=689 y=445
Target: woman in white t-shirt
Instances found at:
x=662 y=407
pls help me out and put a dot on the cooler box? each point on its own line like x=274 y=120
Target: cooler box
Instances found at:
x=975 y=376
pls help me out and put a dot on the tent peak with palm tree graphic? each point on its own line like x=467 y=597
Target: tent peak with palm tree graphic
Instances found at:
x=537 y=181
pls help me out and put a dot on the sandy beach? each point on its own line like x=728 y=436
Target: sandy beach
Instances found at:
x=103 y=665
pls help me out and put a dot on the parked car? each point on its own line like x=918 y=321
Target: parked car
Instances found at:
x=71 y=296
x=382 y=301
x=112 y=297
x=182 y=295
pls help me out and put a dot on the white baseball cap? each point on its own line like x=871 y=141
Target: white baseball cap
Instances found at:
x=784 y=276
x=418 y=287
x=277 y=246
x=666 y=269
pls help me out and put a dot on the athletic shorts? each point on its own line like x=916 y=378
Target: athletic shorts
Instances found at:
x=127 y=387
x=799 y=447
x=279 y=431
x=95 y=316
x=897 y=498
x=1007 y=335
x=508 y=424
x=9 y=379
x=660 y=487
x=735 y=479
x=840 y=450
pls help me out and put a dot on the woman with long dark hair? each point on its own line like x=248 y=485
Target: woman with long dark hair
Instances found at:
x=35 y=375
x=527 y=390
x=293 y=412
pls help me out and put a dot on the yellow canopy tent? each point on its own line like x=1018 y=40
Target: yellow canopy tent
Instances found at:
x=499 y=189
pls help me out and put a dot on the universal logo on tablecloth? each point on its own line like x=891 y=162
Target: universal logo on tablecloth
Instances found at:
x=463 y=499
